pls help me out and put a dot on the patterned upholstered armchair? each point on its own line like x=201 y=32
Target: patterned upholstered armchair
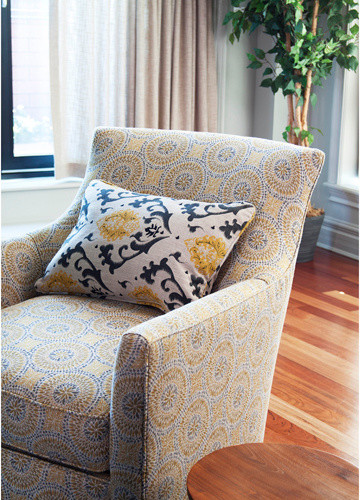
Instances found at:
x=115 y=400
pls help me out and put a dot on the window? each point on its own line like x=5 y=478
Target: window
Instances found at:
x=349 y=136
x=26 y=131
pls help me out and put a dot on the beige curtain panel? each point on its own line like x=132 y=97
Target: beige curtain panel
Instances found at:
x=135 y=63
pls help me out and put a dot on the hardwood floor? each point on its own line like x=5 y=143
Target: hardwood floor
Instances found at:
x=314 y=397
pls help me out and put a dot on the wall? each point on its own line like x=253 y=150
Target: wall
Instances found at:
x=236 y=84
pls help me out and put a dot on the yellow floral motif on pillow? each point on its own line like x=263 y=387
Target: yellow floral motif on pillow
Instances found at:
x=144 y=295
x=62 y=282
x=206 y=252
x=116 y=225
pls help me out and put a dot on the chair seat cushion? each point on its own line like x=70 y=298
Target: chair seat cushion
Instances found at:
x=58 y=354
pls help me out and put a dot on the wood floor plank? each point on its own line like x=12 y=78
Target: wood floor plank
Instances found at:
x=315 y=392
x=318 y=360
x=312 y=300
x=330 y=316
x=300 y=393
x=280 y=430
x=338 y=347
x=352 y=279
x=322 y=282
x=321 y=326
x=344 y=297
x=311 y=424
x=342 y=395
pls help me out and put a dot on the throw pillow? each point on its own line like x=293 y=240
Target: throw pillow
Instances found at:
x=145 y=249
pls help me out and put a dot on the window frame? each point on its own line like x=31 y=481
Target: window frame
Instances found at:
x=14 y=167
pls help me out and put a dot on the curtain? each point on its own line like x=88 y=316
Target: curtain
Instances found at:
x=135 y=63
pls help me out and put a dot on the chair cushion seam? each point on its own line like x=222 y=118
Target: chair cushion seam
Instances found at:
x=46 y=457
x=102 y=416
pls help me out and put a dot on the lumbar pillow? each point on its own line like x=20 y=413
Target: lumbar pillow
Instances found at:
x=145 y=249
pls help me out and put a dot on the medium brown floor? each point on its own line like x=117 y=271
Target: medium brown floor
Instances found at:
x=314 y=397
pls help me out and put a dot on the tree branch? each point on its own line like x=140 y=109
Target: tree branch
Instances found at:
x=291 y=136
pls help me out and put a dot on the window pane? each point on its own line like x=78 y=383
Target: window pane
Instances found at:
x=31 y=81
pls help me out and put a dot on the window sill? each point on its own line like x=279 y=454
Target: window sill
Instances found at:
x=343 y=195
x=17 y=230
x=36 y=184
x=349 y=183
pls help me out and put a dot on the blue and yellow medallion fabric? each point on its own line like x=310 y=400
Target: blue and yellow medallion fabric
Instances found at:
x=92 y=385
x=145 y=249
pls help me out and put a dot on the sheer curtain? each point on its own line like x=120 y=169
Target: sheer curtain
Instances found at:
x=136 y=63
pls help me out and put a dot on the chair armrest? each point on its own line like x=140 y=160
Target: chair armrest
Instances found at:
x=24 y=259
x=21 y=266
x=192 y=380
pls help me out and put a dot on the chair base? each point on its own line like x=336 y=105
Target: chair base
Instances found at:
x=26 y=476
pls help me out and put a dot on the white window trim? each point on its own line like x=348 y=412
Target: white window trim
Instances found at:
x=348 y=161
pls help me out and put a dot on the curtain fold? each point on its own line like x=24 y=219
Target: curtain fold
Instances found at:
x=135 y=63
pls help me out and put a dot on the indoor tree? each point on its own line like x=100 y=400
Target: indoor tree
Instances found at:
x=308 y=36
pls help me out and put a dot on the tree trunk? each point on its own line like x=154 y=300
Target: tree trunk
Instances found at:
x=291 y=136
x=305 y=110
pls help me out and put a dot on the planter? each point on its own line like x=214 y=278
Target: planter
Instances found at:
x=309 y=238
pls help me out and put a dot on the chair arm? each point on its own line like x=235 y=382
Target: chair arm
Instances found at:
x=21 y=266
x=24 y=259
x=192 y=380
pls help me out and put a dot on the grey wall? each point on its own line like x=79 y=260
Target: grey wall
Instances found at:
x=236 y=84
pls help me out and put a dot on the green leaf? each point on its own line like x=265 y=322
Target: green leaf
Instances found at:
x=253 y=27
x=317 y=129
x=236 y=3
x=290 y=86
x=255 y=65
x=266 y=83
x=251 y=57
x=268 y=71
x=352 y=48
x=352 y=14
x=300 y=102
x=354 y=29
x=335 y=19
x=232 y=37
x=300 y=28
x=260 y=53
x=228 y=17
x=297 y=131
x=341 y=60
x=313 y=100
x=297 y=15
x=353 y=63
x=285 y=136
x=306 y=134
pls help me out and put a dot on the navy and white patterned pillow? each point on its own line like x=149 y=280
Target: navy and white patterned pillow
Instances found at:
x=145 y=249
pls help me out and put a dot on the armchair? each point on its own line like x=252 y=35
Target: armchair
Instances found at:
x=114 y=400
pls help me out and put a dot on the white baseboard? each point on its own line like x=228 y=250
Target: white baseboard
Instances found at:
x=340 y=237
x=338 y=250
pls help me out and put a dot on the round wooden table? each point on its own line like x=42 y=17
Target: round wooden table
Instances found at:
x=272 y=471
